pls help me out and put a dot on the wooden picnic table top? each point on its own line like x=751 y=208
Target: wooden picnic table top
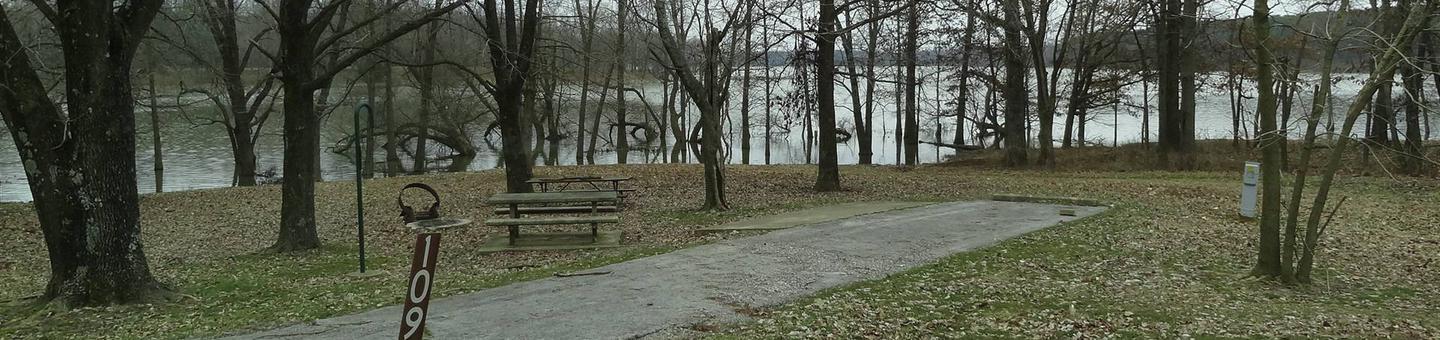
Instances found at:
x=554 y=197
x=577 y=179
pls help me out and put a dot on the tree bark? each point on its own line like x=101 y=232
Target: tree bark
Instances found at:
x=1412 y=158
x=708 y=94
x=622 y=143
x=1015 y=92
x=80 y=163
x=747 y=64
x=862 y=137
x=587 y=44
x=242 y=106
x=1317 y=109
x=828 y=177
x=912 y=112
x=158 y=161
x=1270 y=263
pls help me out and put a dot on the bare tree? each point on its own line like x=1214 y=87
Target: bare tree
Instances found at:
x=511 y=56
x=241 y=106
x=708 y=89
x=311 y=54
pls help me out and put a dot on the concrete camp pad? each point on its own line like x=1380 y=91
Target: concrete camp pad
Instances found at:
x=811 y=216
x=662 y=296
x=498 y=242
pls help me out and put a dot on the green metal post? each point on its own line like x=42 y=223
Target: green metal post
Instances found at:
x=360 y=159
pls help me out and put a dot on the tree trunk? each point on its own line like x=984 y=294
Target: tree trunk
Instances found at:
x=962 y=98
x=872 y=30
x=1317 y=108
x=221 y=19
x=425 y=79
x=1382 y=74
x=708 y=96
x=1016 y=93
x=622 y=143
x=81 y=163
x=393 y=167
x=159 y=158
x=770 y=96
x=1171 y=47
x=302 y=132
x=1412 y=158
x=828 y=178
x=745 y=97
x=586 y=46
x=912 y=112
x=1270 y=263
x=599 y=113
x=1038 y=18
x=1189 y=63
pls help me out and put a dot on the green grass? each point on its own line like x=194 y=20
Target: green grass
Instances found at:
x=258 y=291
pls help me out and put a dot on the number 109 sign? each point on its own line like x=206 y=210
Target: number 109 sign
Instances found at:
x=417 y=297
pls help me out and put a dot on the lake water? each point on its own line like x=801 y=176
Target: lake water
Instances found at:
x=198 y=156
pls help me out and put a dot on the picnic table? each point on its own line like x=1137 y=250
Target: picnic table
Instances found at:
x=586 y=183
x=595 y=207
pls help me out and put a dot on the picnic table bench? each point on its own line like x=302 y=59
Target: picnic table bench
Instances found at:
x=594 y=208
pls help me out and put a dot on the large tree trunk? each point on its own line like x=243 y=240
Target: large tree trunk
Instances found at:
x=1269 y=264
x=302 y=143
x=80 y=164
x=1038 y=19
x=511 y=60
x=302 y=132
x=1175 y=77
x=828 y=177
x=1016 y=93
x=1189 y=63
x=1382 y=114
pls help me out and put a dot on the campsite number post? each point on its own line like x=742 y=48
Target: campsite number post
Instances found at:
x=422 y=278
x=427 y=225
